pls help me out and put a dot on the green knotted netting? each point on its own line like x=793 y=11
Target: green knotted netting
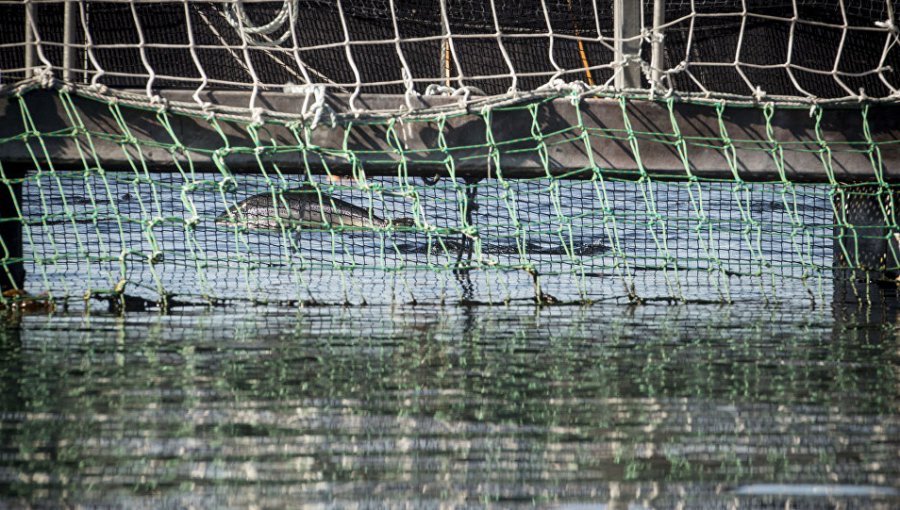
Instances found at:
x=135 y=233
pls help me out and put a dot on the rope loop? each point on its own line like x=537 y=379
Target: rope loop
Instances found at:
x=258 y=35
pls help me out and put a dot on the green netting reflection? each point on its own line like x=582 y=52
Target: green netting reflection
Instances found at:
x=181 y=234
x=545 y=406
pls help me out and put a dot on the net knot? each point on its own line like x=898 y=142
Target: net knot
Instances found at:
x=469 y=231
x=99 y=88
x=160 y=102
x=557 y=84
x=153 y=222
x=313 y=101
x=207 y=108
x=574 y=88
x=439 y=90
x=46 y=78
x=463 y=93
x=759 y=94
x=410 y=96
x=256 y=116
x=887 y=24
x=814 y=109
x=227 y=184
x=651 y=35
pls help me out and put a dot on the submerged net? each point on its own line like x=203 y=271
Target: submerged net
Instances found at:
x=752 y=159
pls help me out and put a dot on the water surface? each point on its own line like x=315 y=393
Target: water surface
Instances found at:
x=598 y=407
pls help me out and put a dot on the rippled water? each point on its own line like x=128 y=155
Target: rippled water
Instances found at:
x=600 y=407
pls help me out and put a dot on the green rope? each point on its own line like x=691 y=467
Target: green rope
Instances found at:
x=403 y=217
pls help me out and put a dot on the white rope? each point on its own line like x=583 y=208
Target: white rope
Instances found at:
x=268 y=51
x=357 y=85
x=237 y=17
x=713 y=49
x=314 y=93
x=142 y=46
x=405 y=71
x=498 y=35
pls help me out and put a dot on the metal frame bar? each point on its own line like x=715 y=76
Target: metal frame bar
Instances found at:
x=69 y=18
x=627 y=16
x=657 y=55
x=30 y=12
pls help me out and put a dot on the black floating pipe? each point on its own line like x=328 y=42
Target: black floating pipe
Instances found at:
x=12 y=270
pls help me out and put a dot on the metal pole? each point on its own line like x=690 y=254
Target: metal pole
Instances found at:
x=446 y=60
x=656 y=55
x=29 y=40
x=68 y=40
x=627 y=25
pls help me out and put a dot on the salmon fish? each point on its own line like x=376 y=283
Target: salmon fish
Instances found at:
x=302 y=208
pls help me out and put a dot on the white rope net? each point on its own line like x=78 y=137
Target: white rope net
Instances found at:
x=741 y=50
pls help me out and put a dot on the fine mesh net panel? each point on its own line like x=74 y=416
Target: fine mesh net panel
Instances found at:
x=305 y=151
x=582 y=240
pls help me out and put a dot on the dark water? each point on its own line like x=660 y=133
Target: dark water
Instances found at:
x=602 y=407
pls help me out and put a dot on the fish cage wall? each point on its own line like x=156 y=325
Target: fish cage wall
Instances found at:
x=542 y=150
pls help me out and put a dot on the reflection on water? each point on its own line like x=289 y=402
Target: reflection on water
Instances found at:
x=606 y=406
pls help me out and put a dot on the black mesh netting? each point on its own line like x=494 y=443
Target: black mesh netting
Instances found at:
x=818 y=48
x=485 y=242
